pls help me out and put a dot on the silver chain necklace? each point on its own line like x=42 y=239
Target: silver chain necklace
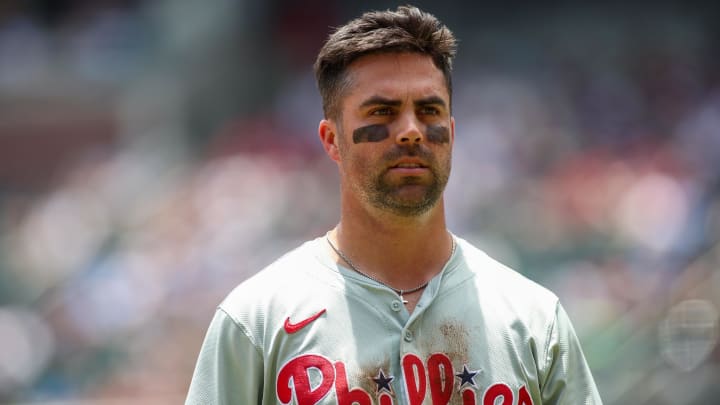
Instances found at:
x=397 y=291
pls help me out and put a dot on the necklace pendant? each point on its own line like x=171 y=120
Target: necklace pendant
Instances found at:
x=398 y=292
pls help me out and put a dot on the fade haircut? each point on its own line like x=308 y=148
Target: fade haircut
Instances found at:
x=407 y=29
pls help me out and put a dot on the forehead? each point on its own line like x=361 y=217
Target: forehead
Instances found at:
x=401 y=76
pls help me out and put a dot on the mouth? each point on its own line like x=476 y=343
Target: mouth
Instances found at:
x=409 y=168
x=409 y=164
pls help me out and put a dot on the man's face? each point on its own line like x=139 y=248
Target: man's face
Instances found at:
x=395 y=133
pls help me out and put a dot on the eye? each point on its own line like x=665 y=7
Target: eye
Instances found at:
x=429 y=110
x=381 y=111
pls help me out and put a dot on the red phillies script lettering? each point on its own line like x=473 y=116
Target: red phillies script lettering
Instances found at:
x=385 y=399
x=440 y=373
x=496 y=391
x=415 y=380
x=345 y=395
x=437 y=376
x=524 y=397
x=297 y=370
x=468 y=397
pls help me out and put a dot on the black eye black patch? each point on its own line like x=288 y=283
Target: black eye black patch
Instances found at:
x=437 y=134
x=380 y=132
x=371 y=133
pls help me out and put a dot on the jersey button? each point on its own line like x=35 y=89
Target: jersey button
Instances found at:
x=408 y=336
x=396 y=305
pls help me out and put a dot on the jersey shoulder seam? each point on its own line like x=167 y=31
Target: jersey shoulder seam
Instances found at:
x=243 y=329
x=548 y=337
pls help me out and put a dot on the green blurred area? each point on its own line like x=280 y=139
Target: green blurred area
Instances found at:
x=153 y=154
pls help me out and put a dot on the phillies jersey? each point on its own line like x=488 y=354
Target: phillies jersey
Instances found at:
x=306 y=330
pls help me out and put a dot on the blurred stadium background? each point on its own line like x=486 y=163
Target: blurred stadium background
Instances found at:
x=153 y=154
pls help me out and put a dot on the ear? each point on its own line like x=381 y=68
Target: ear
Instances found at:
x=327 y=131
x=452 y=131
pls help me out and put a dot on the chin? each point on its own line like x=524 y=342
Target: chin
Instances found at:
x=407 y=207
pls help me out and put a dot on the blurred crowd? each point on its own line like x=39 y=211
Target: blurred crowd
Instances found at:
x=153 y=154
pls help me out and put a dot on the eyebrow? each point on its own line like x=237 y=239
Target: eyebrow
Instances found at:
x=380 y=100
x=432 y=100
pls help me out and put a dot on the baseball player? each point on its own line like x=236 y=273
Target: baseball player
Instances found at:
x=389 y=307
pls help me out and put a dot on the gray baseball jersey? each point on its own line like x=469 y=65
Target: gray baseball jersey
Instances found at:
x=308 y=331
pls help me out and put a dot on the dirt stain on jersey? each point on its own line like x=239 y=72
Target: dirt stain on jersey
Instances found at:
x=368 y=372
x=451 y=338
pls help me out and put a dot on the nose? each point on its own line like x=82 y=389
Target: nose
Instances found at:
x=410 y=131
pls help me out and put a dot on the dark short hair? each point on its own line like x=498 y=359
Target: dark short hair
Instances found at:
x=407 y=29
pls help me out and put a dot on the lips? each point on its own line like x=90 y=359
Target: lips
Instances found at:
x=409 y=168
x=409 y=164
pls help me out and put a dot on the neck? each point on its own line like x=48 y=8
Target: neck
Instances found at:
x=400 y=251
